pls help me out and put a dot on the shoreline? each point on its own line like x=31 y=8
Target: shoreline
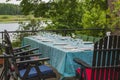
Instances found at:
x=12 y=21
x=18 y=18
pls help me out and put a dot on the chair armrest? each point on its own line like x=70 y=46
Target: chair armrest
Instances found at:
x=33 y=61
x=5 y=56
x=18 y=48
x=82 y=63
x=30 y=55
x=26 y=51
x=8 y=56
x=85 y=65
x=107 y=67
x=114 y=49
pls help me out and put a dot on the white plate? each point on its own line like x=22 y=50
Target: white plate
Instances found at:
x=87 y=42
x=41 y=38
x=74 y=50
x=69 y=47
x=85 y=49
x=46 y=40
x=60 y=44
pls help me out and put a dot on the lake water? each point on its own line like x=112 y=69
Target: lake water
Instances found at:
x=13 y=26
x=9 y=26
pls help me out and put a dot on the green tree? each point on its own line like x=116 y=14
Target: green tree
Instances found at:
x=69 y=14
x=27 y=7
x=33 y=25
x=66 y=14
x=94 y=17
x=37 y=8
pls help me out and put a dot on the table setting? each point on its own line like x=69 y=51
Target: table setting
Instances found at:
x=61 y=50
x=65 y=42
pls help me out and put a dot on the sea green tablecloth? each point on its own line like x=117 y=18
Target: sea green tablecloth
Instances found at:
x=60 y=59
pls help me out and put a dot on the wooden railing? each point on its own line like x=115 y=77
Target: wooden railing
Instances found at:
x=58 y=31
x=63 y=31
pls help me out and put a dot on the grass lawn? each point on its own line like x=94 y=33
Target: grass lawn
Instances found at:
x=16 y=18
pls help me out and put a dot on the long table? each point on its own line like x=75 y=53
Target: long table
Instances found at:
x=61 y=59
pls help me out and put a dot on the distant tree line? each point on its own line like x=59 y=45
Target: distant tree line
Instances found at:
x=9 y=9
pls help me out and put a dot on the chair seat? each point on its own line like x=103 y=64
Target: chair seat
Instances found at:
x=89 y=73
x=45 y=70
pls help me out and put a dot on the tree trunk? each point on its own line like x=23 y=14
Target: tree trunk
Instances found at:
x=112 y=7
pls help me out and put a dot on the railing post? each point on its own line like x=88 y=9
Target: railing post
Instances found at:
x=2 y=35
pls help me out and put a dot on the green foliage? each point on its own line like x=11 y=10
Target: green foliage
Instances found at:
x=32 y=7
x=16 y=43
x=65 y=14
x=33 y=25
x=43 y=7
x=26 y=6
x=70 y=14
x=94 y=18
x=102 y=3
x=9 y=9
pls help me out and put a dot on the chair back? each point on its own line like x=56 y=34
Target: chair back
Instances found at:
x=9 y=50
x=8 y=42
x=106 y=58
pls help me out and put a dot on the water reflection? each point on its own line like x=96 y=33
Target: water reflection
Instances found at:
x=13 y=26
x=9 y=26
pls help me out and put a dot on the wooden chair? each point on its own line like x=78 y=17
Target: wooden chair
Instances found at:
x=105 y=64
x=33 y=71
x=3 y=73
